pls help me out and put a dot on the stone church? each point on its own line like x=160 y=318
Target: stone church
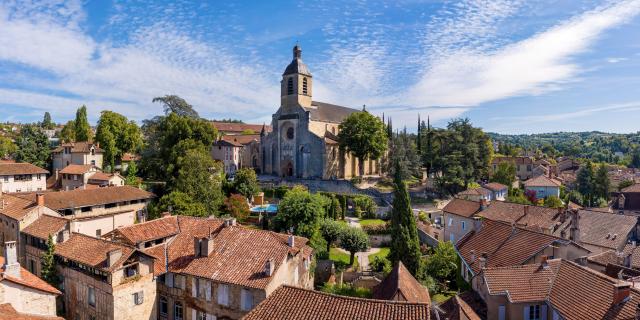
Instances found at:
x=303 y=142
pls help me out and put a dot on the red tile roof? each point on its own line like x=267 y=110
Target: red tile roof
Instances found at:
x=475 y=192
x=146 y=231
x=238 y=127
x=7 y=312
x=632 y=188
x=14 y=206
x=400 y=285
x=92 y=251
x=494 y=186
x=102 y=176
x=465 y=306
x=20 y=168
x=542 y=181
x=44 y=226
x=90 y=197
x=77 y=168
x=461 y=207
x=78 y=147
x=233 y=246
x=605 y=229
x=290 y=303
x=535 y=216
x=243 y=139
x=27 y=279
x=522 y=283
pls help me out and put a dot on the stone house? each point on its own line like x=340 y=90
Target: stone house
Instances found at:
x=22 y=177
x=628 y=199
x=524 y=165
x=35 y=237
x=198 y=269
x=82 y=153
x=458 y=218
x=543 y=186
x=104 y=280
x=303 y=142
x=229 y=153
x=75 y=176
x=28 y=295
x=499 y=191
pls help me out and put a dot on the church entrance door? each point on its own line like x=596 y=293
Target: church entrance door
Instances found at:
x=289 y=169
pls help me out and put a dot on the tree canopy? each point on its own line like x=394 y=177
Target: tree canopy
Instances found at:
x=330 y=230
x=68 y=132
x=363 y=134
x=81 y=125
x=46 y=121
x=246 y=182
x=33 y=146
x=199 y=176
x=49 y=271
x=354 y=240
x=117 y=136
x=505 y=173
x=236 y=205
x=177 y=105
x=301 y=211
x=7 y=147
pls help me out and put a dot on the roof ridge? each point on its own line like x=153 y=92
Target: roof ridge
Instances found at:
x=352 y=298
x=105 y=240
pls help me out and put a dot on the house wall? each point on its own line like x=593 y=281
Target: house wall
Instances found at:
x=512 y=311
x=453 y=226
x=61 y=159
x=38 y=182
x=229 y=156
x=103 y=222
x=27 y=300
x=499 y=195
x=543 y=192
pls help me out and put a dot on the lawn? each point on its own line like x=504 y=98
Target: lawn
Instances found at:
x=443 y=296
x=372 y=222
x=383 y=253
x=341 y=258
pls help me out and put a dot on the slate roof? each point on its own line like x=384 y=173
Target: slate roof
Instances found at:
x=400 y=285
x=605 y=229
x=78 y=147
x=326 y=112
x=233 y=246
x=494 y=186
x=462 y=207
x=542 y=181
x=90 y=197
x=292 y=303
x=92 y=251
x=296 y=65
x=7 y=312
x=20 y=168
x=147 y=231
x=27 y=279
x=44 y=226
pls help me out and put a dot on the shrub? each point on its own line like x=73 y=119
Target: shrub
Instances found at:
x=356 y=180
x=377 y=229
x=236 y=205
x=380 y=264
x=280 y=192
x=422 y=216
x=346 y=290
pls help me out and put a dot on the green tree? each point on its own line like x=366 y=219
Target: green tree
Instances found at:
x=180 y=203
x=602 y=185
x=575 y=197
x=363 y=134
x=336 y=208
x=505 y=173
x=553 y=202
x=330 y=230
x=625 y=183
x=49 y=272
x=442 y=263
x=68 y=132
x=199 y=176
x=81 y=125
x=33 y=146
x=132 y=174
x=117 y=136
x=354 y=240
x=403 y=149
x=177 y=105
x=246 y=182
x=237 y=206
x=46 y=121
x=301 y=211
x=635 y=158
x=7 y=147
x=405 y=245
x=585 y=182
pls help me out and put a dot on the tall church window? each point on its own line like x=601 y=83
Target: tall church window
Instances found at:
x=290 y=86
x=304 y=86
x=290 y=133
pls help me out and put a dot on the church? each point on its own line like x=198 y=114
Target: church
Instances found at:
x=303 y=142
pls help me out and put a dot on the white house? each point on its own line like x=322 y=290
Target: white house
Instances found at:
x=22 y=177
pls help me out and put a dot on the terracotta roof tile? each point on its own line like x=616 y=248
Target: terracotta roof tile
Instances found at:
x=20 y=168
x=632 y=188
x=7 y=312
x=520 y=214
x=44 y=226
x=146 y=231
x=78 y=147
x=242 y=139
x=27 y=279
x=461 y=207
x=400 y=285
x=605 y=229
x=292 y=303
x=475 y=191
x=90 y=197
x=494 y=186
x=465 y=306
x=92 y=251
x=238 y=127
x=542 y=181
x=15 y=207
x=522 y=283
x=227 y=143
x=77 y=168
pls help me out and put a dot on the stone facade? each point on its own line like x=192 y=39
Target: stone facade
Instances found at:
x=28 y=300
x=303 y=140
x=83 y=153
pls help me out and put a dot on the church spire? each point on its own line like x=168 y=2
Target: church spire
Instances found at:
x=297 y=52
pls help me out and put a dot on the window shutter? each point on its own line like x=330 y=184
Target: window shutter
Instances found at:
x=194 y=291
x=193 y=314
x=526 y=312
x=208 y=291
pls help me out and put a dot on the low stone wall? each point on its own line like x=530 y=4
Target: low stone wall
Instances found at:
x=378 y=240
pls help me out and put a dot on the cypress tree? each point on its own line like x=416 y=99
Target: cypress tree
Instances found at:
x=405 y=245
x=82 y=128
x=49 y=271
x=419 y=137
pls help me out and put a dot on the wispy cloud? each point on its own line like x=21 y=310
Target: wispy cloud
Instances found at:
x=580 y=113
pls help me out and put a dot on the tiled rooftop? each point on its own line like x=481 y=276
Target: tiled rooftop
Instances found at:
x=44 y=226
x=27 y=279
x=92 y=251
x=461 y=207
x=400 y=285
x=20 y=168
x=7 y=312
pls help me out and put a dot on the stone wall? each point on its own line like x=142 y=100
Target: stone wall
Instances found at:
x=27 y=300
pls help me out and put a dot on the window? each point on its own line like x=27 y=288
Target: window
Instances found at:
x=290 y=86
x=39 y=176
x=304 y=86
x=463 y=225
x=178 y=312
x=534 y=312
x=452 y=238
x=75 y=177
x=528 y=167
x=98 y=233
x=201 y=315
x=6 y=178
x=502 y=312
x=85 y=209
x=223 y=294
x=92 y=296
x=163 y=306
x=290 y=133
x=138 y=298
x=450 y=221
x=93 y=162
x=246 y=300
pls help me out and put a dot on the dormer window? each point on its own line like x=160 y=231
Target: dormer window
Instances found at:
x=304 y=86
x=290 y=86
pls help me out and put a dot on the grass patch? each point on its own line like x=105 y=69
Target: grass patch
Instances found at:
x=443 y=296
x=383 y=253
x=372 y=222
x=341 y=259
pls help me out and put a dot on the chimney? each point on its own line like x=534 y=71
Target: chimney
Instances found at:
x=11 y=265
x=544 y=262
x=40 y=199
x=483 y=204
x=291 y=240
x=229 y=221
x=269 y=267
x=575 y=226
x=621 y=291
x=526 y=209
x=113 y=256
x=206 y=246
x=477 y=223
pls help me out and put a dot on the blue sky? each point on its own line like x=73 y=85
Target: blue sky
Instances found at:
x=512 y=66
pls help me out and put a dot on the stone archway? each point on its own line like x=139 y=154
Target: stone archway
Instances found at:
x=287 y=169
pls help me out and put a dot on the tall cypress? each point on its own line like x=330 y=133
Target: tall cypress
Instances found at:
x=419 y=137
x=82 y=128
x=405 y=245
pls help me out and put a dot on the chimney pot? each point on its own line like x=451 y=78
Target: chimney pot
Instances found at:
x=40 y=199
x=269 y=267
x=291 y=240
x=11 y=265
x=621 y=292
x=544 y=261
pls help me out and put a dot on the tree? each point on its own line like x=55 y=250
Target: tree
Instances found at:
x=117 y=136
x=553 y=202
x=635 y=158
x=237 y=206
x=33 y=146
x=505 y=174
x=363 y=134
x=405 y=245
x=246 y=182
x=49 y=272
x=354 y=240
x=81 y=125
x=584 y=182
x=68 y=132
x=199 y=177
x=330 y=230
x=625 y=183
x=46 y=121
x=7 y=147
x=132 y=174
x=301 y=211
x=442 y=263
x=180 y=203
x=403 y=149
x=336 y=208
x=177 y=105
x=602 y=185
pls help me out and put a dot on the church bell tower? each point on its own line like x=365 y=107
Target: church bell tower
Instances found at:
x=297 y=83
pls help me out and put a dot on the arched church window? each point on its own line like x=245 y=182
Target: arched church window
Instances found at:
x=290 y=86
x=290 y=133
x=304 y=86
